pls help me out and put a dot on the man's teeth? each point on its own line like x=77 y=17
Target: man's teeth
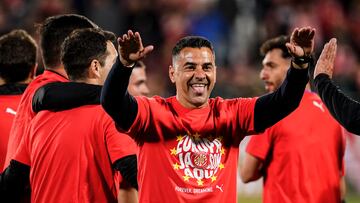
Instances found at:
x=198 y=85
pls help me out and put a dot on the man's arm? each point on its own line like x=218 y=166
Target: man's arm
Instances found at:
x=273 y=107
x=344 y=109
x=250 y=169
x=59 y=96
x=128 y=169
x=14 y=182
x=115 y=99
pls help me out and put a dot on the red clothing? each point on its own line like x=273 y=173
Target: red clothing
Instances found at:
x=303 y=155
x=25 y=113
x=8 y=106
x=71 y=155
x=190 y=155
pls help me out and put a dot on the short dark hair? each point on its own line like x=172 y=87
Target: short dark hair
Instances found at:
x=193 y=42
x=53 y=32
x=17 y=56
x=276 y=43
x=81 y=47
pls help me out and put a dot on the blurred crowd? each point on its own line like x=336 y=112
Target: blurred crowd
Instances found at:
x=236 y=28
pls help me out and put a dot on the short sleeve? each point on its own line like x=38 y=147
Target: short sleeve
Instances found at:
x=142 y=120
x=259 y=145
x=246 y=114
x=118 y=144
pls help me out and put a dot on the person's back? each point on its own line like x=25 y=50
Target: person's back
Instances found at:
x=53 y=32
x=70 y=157
x=17 y=67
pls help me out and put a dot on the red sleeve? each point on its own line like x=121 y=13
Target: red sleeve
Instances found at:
x=142 y=120
x=245 y=114
x=118 y=144
x=259 y=145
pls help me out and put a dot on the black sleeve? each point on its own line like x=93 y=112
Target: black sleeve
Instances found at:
x=115 y=99
x=344 y=109
x=271 y=108
x=128 y=169
x=59 y=96
x=14 y=182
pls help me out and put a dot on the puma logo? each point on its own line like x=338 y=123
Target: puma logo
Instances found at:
x=220 y=187
x=319 y=105
x=10 y=111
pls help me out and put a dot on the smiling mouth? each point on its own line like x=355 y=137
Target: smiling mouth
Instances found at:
x=198 y=88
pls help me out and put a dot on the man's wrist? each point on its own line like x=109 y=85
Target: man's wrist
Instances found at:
x=301 y=62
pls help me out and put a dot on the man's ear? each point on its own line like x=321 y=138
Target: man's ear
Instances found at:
x=171 y=73
x=94 y=69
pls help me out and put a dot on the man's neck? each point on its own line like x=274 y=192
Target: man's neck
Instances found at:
x=59 y=69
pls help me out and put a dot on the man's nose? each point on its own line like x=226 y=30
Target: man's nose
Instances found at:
x=264 y=74
x=199 y=73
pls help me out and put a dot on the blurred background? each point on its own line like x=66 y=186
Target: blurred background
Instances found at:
x=235 y=27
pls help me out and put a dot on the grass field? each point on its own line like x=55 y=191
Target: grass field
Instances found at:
x=350 y=198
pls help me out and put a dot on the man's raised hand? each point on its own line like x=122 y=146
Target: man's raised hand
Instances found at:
x=325 y=63
x=131 y=48
x=301 y=42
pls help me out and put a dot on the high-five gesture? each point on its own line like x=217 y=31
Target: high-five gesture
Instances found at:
x=301 y=45
x=325 y=63
x=131 y=48
x=301 y=42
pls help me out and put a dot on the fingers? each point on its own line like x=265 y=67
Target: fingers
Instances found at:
x=332 y=50
x=306 y=33
x=141 y=53
x=325 y=63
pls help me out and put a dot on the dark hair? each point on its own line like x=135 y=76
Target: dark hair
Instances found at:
x=193 y=42
x=81 y=47
x=276 y=43
x=53 y=32
x=17 y=56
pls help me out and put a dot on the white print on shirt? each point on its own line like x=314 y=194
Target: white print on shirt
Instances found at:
x=319 y=105
x=198 y=158
x=220 y=187
x=193 y=190
x=10 y=111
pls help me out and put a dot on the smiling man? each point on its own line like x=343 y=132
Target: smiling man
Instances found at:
x=189 y=143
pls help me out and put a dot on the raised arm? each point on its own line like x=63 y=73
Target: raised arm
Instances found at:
x=59 y=96
x=273 y=107
x=344 y=109
x=115 y=99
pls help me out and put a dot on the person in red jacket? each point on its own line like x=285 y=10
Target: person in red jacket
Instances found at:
x=301 y=156
x=17 y=68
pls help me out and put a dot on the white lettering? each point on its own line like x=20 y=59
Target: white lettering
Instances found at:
x=198 y=173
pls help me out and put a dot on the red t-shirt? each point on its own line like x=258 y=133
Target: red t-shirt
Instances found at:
x=71 y=155
x=303 y=155
x=190 y=155
x=25 y=113
x=8 y=106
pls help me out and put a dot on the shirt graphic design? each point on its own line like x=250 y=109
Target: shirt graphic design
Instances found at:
x=198 y=160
